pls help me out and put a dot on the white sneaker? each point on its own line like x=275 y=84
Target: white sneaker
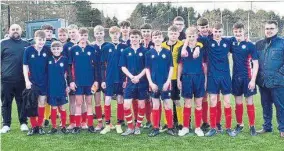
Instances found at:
x=105 y=130
x=24 y=127
x=118 y=129
x=84 y=126
x=199 y=132
x=4 y=129
x=183 y=131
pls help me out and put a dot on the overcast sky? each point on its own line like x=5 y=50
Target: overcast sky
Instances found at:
x=123 y=8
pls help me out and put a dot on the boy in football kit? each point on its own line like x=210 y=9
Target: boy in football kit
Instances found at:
x=245 y=68
x=179 y=22
x=63 y=35
x=57 y=85
x=132 y=62
x=34 y=69
x=173 y=44
x=191 y=81
x=83 y=58
x=159 y=70
x=99 y=43
x=146 y=42
x=125 y=29
x=113 y=79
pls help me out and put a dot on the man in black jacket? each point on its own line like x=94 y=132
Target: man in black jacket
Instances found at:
x=12 y=79
x=270 y=78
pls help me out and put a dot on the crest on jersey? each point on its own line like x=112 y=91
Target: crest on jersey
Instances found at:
x=121 y=50
x=109 y=50
x=140 y=54
x=69 y=48
x=153 y=56
x=169 y=94
x=61 y=64
x=50 y=62
x=32 y=56
x=129 y=54
x=77 y=53
x=244 y=46
x=151 y=46
x=213 y=45
x=224 y=45
x=164 y=56
x=233 y=43
x=44 y=54
x=89 y=53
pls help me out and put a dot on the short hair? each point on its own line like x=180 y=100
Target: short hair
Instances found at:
x=135 y=32
x=202 y=21
x=56 y=44
x=114 y=29
x=46 y=27
x=83 y=30
x=99 y=28
x=146 y=26
x=173 y=28
x=179 y=18
x=72 y=26
x=40 y=34
x=124 y=24
x=62 y=30
x=156 y=33
x=238 y=25
x=272 y=22
x=191 y=30
x=218 y=25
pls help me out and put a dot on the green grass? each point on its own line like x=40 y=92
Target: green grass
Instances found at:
x=16 y=140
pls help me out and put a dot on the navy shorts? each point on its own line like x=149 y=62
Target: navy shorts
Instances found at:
x=57 y=101
x=113 y=89
x=215 y=85
x=136 y=91
x=240 y=87
x=163 y=95
x=83 y=90
x=175 y=92
x=193 y=85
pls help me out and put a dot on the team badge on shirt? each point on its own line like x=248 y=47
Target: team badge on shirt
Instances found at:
x=140 y=54
x=121 y=50
x=69 y=48
x=77 y=53
x=153 y=56
x=61 y=64
x=109 y=50
x=213 y=45
x=233 y=43
x=244 y=46
x=44 y=54
x=50 y=62
x=89 y=53
x=164 y=56
x=169 y=94
x=224 y=45
x=129 y=54
x=32 y=56
x=151 y=46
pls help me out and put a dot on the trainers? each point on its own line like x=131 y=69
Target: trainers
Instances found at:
x=76 y=130
x=91 y=129
x=199 y=132
x=205 y=126
x=238 y=128
x=112 y=127
x=179 y=127
x=5 y=129
x=183 y=131
x=282 y=134
x=211 y=132
x=137 y=131
x=52 y=131
x=64 y=130
x=262 y=131
x=154 y=132
x=118 y=129
x=230 y=132
x=46 y=123
x=105 y=130
x=24 y=127
x=128 y=132
x=219 y=128
x=41 y=131
x=252 y=131
x=171 y=132
x=71 y=126
x=164 y=128
x=84 y=126
x=33 y=131
x=99 y=127
x=148 y=125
